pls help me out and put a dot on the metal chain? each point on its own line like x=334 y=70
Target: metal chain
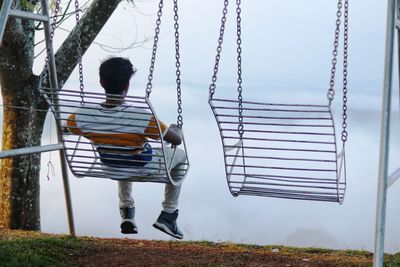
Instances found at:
x=54 y=20
x=79 y=51
x=219 y=49
x=239 y=66
x=331 y=91
x=149 y=85
x=178 y=65
x=53 y=24
x=345 y=55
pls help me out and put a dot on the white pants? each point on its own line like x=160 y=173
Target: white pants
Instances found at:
x=171 y=192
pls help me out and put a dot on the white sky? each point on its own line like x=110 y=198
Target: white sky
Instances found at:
x=286 y=56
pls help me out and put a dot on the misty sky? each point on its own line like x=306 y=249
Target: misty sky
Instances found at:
x=287 y=49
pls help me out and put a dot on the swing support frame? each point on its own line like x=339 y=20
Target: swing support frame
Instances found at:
x=30 y=150
x=5 y=13
x=385 y=180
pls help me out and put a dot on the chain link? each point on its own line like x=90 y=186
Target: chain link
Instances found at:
x=79 y=51
x=331 y=90
x=44 y=76
x=239 y=66
x=54 y=19
x=345 y=56
x=178 y=65
x=149 y=85
x=219 y=49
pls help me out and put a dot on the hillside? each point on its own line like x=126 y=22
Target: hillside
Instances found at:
x=20 y=248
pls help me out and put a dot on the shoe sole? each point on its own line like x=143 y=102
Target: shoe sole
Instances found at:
x=166 y=230
x=128 y=228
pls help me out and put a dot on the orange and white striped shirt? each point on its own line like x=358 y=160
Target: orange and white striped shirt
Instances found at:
x=121 y=126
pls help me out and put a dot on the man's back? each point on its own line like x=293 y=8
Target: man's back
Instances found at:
x=124 y=126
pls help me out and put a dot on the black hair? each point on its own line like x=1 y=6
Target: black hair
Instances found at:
x=115 y=73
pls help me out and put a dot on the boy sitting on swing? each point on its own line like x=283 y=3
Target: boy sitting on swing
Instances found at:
x=102 y=130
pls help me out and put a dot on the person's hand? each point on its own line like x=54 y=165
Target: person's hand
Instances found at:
x=177 y=129
x=174 y=135
x=174 y=126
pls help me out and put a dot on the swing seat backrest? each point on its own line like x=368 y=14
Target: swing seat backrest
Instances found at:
x=286 y=151
x=105 y=145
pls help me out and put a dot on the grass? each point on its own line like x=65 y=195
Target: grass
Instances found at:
x=38 y=251
x=392 y=260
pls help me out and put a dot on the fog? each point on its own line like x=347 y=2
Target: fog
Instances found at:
x=286 y=58
x=209 y=212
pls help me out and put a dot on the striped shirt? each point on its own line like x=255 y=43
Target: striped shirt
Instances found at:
x=121 y=126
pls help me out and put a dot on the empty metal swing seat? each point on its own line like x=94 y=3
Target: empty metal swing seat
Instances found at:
x=282 y=150
x=285 y=151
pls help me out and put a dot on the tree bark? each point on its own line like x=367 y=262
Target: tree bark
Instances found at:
x=19 y=176
x=22 y=127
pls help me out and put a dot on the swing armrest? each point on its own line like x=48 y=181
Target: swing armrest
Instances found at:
x=340 y=154
x=236 y=146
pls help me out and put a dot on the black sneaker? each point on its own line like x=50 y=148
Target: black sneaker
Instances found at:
x=166 y=223
x=128 y=225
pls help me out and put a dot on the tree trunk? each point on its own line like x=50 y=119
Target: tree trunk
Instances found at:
x=19 y=187
x=19 y=176
x=22 y=127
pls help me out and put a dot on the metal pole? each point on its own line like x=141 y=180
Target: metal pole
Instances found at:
x=27 y=15
x=54 y=84
x=385 y=130
x=5 y=9
x=29 y=150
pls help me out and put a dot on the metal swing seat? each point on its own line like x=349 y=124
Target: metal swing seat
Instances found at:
x=277 y=149
x=88 y=160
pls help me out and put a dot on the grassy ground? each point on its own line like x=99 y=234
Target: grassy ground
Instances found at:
x=20 y=248
x=33 y=249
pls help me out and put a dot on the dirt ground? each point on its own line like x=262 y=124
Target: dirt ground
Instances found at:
x=128 y=252
x=91 y=251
